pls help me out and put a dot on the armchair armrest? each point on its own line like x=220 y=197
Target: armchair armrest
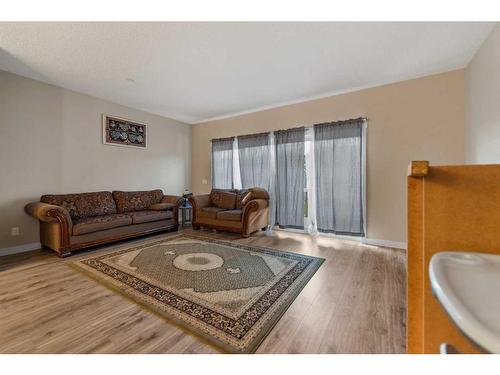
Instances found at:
x=255 y=216
x=48 y=213
x=255 y=205
x=200 y=201
x=172 y=199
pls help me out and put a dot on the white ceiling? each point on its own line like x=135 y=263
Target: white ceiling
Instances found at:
x=198 y=71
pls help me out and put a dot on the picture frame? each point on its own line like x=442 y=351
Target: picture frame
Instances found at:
x=123 y=132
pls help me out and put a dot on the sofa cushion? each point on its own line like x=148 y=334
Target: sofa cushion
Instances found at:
x=232 y=215
x=209 y=212
x=129 y=201
x=162 y=207
x=148 y=216
x=223 y=199
x=83 y=205
x=97 y=223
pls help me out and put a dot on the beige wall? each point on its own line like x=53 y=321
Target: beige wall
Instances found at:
x=483 y=103
x=52 y=143
x=417 y=119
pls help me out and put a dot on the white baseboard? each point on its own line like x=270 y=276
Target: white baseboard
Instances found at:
x=20 y=249
x=385 y=243
x=367 y=241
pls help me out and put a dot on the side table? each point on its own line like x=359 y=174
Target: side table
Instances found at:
x=186 y=215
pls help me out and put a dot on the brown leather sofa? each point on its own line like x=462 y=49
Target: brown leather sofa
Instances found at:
x=75 y=221
x=240 y=211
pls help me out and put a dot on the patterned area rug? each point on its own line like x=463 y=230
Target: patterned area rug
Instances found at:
x=232 y=294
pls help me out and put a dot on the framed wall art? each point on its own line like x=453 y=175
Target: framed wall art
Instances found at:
x=119 y=131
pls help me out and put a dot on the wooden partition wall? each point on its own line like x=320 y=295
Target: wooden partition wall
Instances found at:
x=449 y=208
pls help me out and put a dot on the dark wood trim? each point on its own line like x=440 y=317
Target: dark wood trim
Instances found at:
x=219 y=227
x=125 y=236
x=64 y=253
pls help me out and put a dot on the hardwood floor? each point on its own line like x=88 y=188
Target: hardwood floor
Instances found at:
x=355 y=303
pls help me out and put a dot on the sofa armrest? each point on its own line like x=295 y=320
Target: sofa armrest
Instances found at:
x=172 y=199
x=176 y=201
x=48 y=213
x=163 y=207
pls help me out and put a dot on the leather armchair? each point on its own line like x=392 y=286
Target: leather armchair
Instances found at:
x=252 y=214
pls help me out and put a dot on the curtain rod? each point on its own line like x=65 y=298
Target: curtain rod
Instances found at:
x=365 y=119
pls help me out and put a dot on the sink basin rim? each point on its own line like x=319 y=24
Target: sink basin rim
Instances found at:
x=460 y=313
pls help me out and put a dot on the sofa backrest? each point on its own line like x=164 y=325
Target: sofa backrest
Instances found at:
x=223 y=198
x=128 y=201
x=82 y=205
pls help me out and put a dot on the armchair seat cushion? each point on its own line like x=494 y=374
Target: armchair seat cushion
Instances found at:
x=232 y=215
x=148 y=216
x=210 y=212
x=97 y=223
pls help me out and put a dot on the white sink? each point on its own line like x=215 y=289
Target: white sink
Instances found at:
x=468 y=287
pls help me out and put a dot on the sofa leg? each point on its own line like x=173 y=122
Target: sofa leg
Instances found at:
x=196 y=227
x=64 y=253
x=245 y=235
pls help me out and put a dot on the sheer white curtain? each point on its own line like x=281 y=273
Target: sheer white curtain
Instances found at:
x=310 y=217
x=222 y=163
x=236 y=166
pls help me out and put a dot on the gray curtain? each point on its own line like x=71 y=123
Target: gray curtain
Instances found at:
x=338 y=161
x=254 y=155
x=222 y=163
x=290 y=178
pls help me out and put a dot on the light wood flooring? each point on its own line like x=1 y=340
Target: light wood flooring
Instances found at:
x=355 y=303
